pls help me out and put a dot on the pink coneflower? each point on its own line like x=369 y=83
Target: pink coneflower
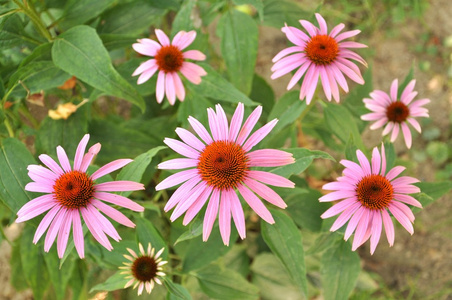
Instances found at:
x=396 y=114
x=219 y=165
x=144 y=270
x=71 y=192
x=169 y=60
x=368 y=192
x=319 y=54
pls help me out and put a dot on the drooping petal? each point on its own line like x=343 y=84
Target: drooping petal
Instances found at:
x=211 y=214
x=110 y=167
x=256 y=204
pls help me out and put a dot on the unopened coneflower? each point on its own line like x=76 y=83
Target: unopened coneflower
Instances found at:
x=169 y=60
x=71 y=192
x=144 y=269
x=396 y=113
x=319 y=54
x=367 y=194
x=219 y=164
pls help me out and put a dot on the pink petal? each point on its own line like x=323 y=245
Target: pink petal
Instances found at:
x=394 y=172
x=269 y=158
x=393 y=90
x=192 y=72
x=376 y=161
x=162 y=37
x=178 y=163
x=364 y=162
x=338 y=208
x=194 y=54
x=361 y=230
x=42 y=172
x=389 y=226
x=354 y=167
x=182 y=192
x=322 y=24
x=395 y=132
x=51 y=164
x=147 y=74
x=118 y=186
x=287 y=51
x=224 y=218
x=346 y=35
x=298 y=74
x=64 y=160
x=379 y=123
x=211 y=214
x=160 y=89
x=45 y=223
x=181 y=148
x=177 y=178
x=295 y=35
x=236 y=122
x=311 y=29
x=270 y=178
x=404 y=209
x=77 y=233
x=170 y=88
x=265 y=192
x=351 y=45
x=213 y=124
x=183 y=206
x=376 y=231
x=80 y=152
x=259 y=135
x=222 y=122
x=95 y=229
x=200 y=130
x=345 y=216
x=197 y=205
x=256 y=204
x=354 y=221
x=118 y=200
x=237 y=213
x=147 y=47
x=415 y=124
x=249 y=125
x=333 y=196
x=38 y=187
x=146 y=66
x=406 y=134
x=113 y=213
x=180 y=90
x=54 y=228
x=383 y=160
x=338 y=28
x=110 y=167
x=402 y=218
x=36 y=207
x=388 y=128
x=407 y=199
x=63 y=235
x=184 y=39
x=325 y=82
x=103 y=223
x=89 y=157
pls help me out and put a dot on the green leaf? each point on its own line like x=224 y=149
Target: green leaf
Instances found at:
x=78 y=281
x=80 y=52
x=287 y=110
x=131 y=18
x=262 y=93
x=65 y=133
x=340 y=268
x=17 y=278
x=278 y=12
x=77 y=12
x=272 y=279
x=285 y=241
x=323 y=242
x=115 y=41
x=118 y=141
x=195 y=106
x=341 y=122
x=134 y=171
x=33 y=264
x=238 y=260
x=12 y=33
x=14 y=160
x=354 y=101
x=221 y=283
x=184 y=19
x=165 y=4
x=115 y=282
x=435 y=189
x=200 y=254
x=147 y=233
x=305 y=209
x=239 y=47
x=303 y=159
x=59 y=277
x=175 y=291
x=214 y=86
x=126 y=70
x=194 y=230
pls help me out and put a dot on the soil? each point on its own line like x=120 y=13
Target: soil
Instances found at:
x=418 y=266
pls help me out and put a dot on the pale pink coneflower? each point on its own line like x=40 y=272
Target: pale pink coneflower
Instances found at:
x=169 y=60
x=368 y=192
x=319 y=54
x=394 y=113
x=218 y=165
x=143 y=270
x=71 y=192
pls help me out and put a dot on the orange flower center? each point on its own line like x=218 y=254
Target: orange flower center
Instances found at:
x=375 y=191
x=322 y=49
x=169 y=59
x=223 y=164
x=74 y=189
x=397 y=112
x=144 y=268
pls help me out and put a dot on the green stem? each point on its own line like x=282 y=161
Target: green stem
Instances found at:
x=9 y=128
x=29 y=10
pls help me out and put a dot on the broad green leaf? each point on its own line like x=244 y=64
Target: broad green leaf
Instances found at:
x=165 y=4
x=115 y=282
x=77 y=12
x=222 y=283
x=239 y=47
x=287 y=110
x=323 y=242
x=272 y=279
x=303 y=159
x=238 y=260
x=64 y=133
x=200 y=254
x=134 y=171
x=262 y=93
x=131 y=18
x=14 y=160
x=340 y=268
x=80 y=52
x=59 y=277
x=78 y=281
x=119 y=142
x=194 y=230
x=175 y=291
x=214 y=86
x=350 y=150
x=195 y=106
x=305 y=208
x=35 y=271
x=279 y=12
x=285 y=241
x=17 y=278
x=37 y=76
x=115 y=41
x=184 y=18
x=435 y=189
x=341 y=122
x=12 y=33
x=147 y=233
x=258 y=5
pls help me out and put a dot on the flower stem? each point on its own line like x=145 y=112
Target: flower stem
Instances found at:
x=28 y=9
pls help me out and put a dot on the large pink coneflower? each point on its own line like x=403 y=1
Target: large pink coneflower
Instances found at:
x=394 y=113
x=71 y=192
x=319 y=54
x=367 y=192
x=218 y=166
x=169 y=60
